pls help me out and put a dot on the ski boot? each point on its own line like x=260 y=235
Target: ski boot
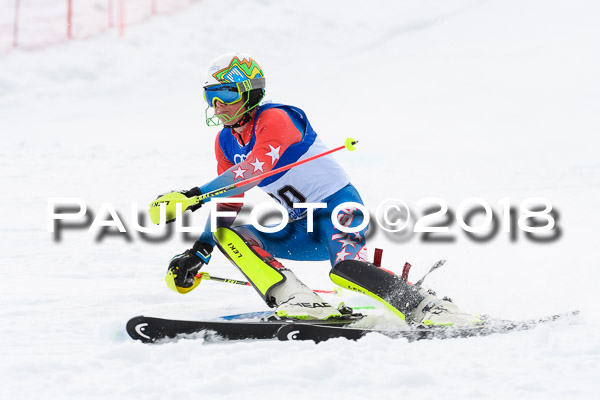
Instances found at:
x=433 y=311
x=412 y=303
x=295 y=300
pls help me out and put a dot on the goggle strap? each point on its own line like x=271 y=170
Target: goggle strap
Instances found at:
x=248 y=85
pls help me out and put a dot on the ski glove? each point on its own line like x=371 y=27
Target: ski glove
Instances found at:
x=186 y=265
x=193 y=192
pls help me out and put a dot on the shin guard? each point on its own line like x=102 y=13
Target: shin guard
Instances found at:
x=386 y=287
x=262 y=270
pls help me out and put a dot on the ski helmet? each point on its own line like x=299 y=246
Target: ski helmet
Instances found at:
x=231 y=78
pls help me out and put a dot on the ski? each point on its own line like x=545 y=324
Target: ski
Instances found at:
x=266 y=314
x=151 y=329
x=318 y=333
x=249 y=315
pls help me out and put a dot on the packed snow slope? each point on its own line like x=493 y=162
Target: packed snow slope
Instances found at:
x=490 y=99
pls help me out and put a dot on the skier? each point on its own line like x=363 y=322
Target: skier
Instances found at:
x=257 y=138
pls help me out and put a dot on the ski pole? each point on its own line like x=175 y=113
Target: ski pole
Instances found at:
x=173 y=198
x=350 y=144
x=209 y=277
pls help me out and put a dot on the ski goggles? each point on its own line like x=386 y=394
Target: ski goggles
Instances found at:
x=229 y=93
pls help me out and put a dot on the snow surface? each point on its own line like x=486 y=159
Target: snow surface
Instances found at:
x=456 y=99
